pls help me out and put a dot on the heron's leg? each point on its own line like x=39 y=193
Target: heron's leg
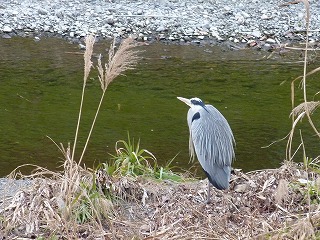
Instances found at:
x=208 y=196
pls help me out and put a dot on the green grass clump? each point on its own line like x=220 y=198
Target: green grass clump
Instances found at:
x=131 y=160
x=92 y=204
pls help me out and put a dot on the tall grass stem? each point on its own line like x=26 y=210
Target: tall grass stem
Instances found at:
x=92 y=126
x=87 y=67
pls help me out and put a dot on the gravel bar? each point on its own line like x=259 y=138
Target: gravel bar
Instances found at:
x=249 y=22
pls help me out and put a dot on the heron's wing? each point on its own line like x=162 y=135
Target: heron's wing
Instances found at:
x=213 y=142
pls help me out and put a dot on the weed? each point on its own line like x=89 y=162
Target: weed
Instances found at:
x=312 y=164
x=307 y=107
x=93 y=205
x=132 y=160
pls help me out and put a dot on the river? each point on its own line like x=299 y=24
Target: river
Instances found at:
x=41 y=84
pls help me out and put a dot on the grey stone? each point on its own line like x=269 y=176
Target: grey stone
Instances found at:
x=42 y=11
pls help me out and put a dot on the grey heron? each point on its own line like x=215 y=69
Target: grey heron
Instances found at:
x=211 y=139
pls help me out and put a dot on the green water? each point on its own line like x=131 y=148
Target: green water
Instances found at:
x=40 y=91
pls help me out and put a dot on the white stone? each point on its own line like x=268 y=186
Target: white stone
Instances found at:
x=256 y=33
x=270 y=41
x=14 y=12
x=81 y=46
x=160 y=29
x=246 y=15
x=7 y=29
x=265 y=17
x=46 y=28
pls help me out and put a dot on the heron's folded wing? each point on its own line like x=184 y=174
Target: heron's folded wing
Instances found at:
x=212 y=138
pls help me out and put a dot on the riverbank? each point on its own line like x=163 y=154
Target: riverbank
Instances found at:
x=241 y=23
x=277 y=203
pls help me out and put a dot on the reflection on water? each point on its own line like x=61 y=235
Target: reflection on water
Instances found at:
x=40 y=93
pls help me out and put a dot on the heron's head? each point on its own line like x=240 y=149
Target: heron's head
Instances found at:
x=192 y=102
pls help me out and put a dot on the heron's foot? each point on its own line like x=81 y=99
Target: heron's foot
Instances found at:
x=208 y=194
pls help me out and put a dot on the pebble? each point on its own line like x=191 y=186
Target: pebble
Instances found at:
x=271 y=41
x=256 y=33
x=7 y=29
x=165 y=20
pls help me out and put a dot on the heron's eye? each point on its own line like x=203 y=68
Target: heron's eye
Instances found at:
x=195 y=116
x=196 y=102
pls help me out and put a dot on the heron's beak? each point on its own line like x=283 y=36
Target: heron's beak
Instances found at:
x=185 y=100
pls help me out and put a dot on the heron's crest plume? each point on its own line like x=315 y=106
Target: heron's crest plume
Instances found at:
x=196 y=101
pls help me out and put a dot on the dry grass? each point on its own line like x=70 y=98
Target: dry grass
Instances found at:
x=249 y=210
x=301 y=108
x=306 y=107
x=266 y=204
x=49 y=205
x=120 y=60
x=87 y=68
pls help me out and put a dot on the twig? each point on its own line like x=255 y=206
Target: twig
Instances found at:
x=302 y=49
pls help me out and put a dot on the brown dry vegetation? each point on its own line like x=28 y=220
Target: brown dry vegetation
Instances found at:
x=268 y=204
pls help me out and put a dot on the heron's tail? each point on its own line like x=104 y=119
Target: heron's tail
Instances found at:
x=220 y=177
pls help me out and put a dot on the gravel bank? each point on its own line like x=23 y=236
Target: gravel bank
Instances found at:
x=248 y=22
x=9 y=187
